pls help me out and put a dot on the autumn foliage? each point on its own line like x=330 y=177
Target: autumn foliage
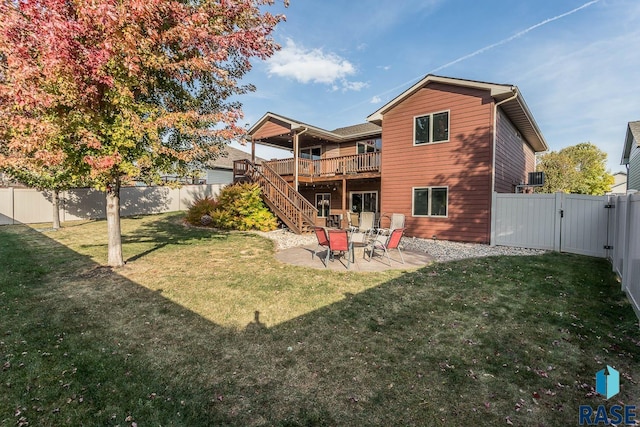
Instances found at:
x=125 y=89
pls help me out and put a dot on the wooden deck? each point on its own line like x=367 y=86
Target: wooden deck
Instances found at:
x=336 y=168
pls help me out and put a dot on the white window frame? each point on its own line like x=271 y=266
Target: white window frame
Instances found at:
x=430 y=115
x=301 y=149
x=329 y=208
x=376 y=148
x=351 y=193
x=430 y=199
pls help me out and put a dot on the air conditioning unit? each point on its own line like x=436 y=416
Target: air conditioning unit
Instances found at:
x=536 y=179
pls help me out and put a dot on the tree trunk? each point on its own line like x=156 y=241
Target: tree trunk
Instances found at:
x=113 y=224
x=55 y=201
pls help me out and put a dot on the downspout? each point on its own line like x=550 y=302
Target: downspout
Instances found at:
x=296 y=149
x=493 y=161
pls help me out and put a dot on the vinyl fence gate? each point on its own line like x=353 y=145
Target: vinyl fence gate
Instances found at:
x=561 y=222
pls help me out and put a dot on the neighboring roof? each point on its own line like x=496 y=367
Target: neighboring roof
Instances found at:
x=336 y=135
x=633 y=134
x=514 y=106
x=226 y=158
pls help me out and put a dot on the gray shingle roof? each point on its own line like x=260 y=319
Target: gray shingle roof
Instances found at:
x=232 y=154
x=357 y=129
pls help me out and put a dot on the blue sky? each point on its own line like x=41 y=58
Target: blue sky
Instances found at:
x=576 y=62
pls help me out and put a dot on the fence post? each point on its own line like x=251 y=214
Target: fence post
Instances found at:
x=626 y=259
x=13 y=206
x=557 y=224
x=494 y=214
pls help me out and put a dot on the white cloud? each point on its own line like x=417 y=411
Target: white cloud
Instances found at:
x=309 y=65
x=375 y=100
x=356 y=86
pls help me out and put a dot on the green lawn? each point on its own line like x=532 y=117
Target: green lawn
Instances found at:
x=203 y=328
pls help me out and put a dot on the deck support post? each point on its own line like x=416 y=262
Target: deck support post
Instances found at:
x=344 y=201
x=295 y=160
x=253 y=151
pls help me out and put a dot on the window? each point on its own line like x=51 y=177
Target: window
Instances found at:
x=431 y=128
x=369 y=146
x=311 y=153
x=430 y=201
x=323 y=204
x=364 y=201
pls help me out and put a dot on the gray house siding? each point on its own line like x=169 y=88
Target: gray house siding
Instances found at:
x=219 y=176
x=633 y=178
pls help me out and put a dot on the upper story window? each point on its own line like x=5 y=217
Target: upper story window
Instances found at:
x=431 y=128
x=311 y=153
x=369 y=146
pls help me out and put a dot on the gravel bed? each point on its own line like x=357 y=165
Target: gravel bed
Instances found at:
x=441 y=250
x=444 y=250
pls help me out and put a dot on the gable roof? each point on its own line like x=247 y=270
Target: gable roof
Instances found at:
x=228 y=156
x=633 y=134
x=337 y=135
x=513 y=105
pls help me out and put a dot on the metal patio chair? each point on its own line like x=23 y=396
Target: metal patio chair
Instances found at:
x=386 y=243
x=323 y=240
x=339 y=242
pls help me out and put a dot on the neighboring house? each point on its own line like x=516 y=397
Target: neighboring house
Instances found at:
x=631 y=155
x=220 y=170
x=435 y=153
x=619 y=183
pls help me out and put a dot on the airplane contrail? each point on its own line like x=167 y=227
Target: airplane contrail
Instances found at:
x=482 y=50
x=515 y=36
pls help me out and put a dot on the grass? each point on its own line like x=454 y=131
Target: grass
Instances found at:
x=206 y=328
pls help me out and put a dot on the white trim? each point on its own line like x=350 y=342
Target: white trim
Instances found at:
x=430 y=115
x=363 y=142
x=310 y=147
x=430 y=198
x=351 y=193
x=316 y=204
x=495 y=90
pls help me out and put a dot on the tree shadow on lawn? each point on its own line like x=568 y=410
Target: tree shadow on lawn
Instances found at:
x=469 y=342
x=144 y=235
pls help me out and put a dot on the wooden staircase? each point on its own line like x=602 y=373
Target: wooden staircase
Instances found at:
x=289 y=205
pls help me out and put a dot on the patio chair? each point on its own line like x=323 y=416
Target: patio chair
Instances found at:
x=396 y=221
x=338 y=242
x=323 y=240
x=367 y=222
x=385 y=243
x=352 y=220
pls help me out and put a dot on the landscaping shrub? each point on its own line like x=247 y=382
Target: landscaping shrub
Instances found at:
x=200 y=210
x=238 y=207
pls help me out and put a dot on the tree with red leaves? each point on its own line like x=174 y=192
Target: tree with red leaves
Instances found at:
x=113 y=90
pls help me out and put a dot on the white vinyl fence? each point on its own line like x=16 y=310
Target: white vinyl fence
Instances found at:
x=600 y=226
x=624 y=229
x=28 y=206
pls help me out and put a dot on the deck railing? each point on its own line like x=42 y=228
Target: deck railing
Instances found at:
x=357 y=163
x=296 y=211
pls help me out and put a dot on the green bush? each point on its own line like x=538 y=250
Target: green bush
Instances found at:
x=238 y=207
x=199 y=209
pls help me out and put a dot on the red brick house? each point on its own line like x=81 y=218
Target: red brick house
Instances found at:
x=435 y=153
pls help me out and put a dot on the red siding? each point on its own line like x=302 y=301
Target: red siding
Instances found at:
x=514 y=157
x=463 y=163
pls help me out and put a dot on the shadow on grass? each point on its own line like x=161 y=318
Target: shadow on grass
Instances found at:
x=470 y=342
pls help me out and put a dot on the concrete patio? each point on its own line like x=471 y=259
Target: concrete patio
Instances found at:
x=301 y=256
